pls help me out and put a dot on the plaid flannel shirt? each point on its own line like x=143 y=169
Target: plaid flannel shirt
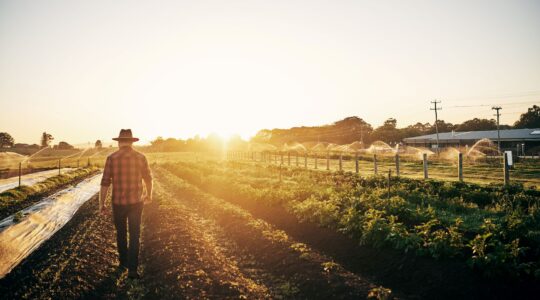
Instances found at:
x=125 y=169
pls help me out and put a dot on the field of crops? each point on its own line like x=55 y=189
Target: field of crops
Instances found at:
x=238 y=229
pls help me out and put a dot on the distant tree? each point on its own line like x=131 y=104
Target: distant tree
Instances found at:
x=477 y=124
x=46 y=139
x=98 y=144
x=348 y=130
x=64 y=146
x=6 y=140
x=388 y=132
x=530 y=119
x=416 y=130
x=390 y=124
x=443 y=127
x=157 y=142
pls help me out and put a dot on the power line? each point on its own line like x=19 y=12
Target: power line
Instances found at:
x=484 y=105
x=500 y=96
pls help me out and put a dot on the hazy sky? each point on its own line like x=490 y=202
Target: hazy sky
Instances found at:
x=82 y=70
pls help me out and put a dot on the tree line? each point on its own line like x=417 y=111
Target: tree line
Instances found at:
x=354 y=129
x=346 y=131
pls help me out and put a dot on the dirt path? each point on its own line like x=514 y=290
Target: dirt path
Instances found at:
x=264 y=260
x=185 y=255
x=194 y=246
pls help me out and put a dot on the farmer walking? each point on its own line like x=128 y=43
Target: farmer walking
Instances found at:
x=126 y=169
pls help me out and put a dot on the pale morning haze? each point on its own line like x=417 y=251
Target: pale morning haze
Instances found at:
x=82 y=70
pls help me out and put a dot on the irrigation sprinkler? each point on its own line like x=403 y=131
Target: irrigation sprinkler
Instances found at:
x=506 y=169
x=375 y=164
x=397 y=165
x=425 y=162
x=356 y=161
x=460 y=166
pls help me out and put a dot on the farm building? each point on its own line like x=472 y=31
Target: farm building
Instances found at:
x=524 y=141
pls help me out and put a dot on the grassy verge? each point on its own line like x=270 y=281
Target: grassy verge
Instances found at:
x=20 y=197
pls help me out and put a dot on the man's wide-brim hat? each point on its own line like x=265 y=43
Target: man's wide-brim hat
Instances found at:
x=126 y=136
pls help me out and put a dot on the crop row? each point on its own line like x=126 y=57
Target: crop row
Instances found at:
x=493 y=228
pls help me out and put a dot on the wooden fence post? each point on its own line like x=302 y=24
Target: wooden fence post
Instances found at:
x=340 y=161
x=316 y=160
x=59 y=165
x=397 y=164
x=327 y=160
x=296 y=158
x=356 y=162
x=460 y=166
x=424 y=158
x=289 y=159
x=506 y=169
x=20 y=172
x=305 y=160
x=389 y=175
x=375 y=164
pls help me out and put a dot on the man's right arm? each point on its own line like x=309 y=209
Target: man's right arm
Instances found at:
x=105 y=184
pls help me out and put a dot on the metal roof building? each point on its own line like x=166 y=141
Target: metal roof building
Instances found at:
x=510 y=138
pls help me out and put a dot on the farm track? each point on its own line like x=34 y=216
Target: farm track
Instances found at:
x=185 y=256
x=193 y=246
x=267 y=261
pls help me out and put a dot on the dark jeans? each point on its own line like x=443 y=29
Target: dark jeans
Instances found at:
x=130 y=213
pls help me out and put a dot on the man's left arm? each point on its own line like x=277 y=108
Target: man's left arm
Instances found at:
x=147 y=178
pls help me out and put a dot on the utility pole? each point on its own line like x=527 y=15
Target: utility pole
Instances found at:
x=497 y=108
x=435 y=108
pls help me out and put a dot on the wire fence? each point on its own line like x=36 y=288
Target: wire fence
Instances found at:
x=489 y=170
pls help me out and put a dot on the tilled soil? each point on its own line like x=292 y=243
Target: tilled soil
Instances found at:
x=78 y=261
x=193 y=246
x=184 y=255
x=280 y=266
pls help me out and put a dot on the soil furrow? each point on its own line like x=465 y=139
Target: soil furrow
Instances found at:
x=183 y=255
x=305 y=272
